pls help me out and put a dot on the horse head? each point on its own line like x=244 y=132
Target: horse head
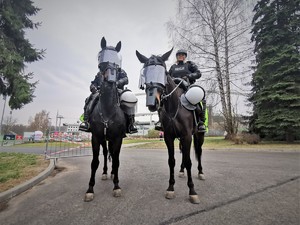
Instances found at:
x=109 y=60
x=154 y=77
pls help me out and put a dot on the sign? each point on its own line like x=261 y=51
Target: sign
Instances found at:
x=19 y=137
x=9 y=137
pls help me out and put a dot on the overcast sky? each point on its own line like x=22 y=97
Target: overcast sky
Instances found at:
x=71 y=31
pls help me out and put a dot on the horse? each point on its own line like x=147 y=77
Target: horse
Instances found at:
x=163 y=95
x=107 y=120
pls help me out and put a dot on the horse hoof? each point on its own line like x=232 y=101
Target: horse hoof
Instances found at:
x=117 y=193
x=89 y=197
x=170 y=194
x=104 y=177
x=181 y=174
x=201 y=176
x=194 y=199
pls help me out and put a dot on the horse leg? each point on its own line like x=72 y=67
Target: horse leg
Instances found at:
x=198 y=142
x=186 y=147
x=170 y=193
x=89 y=196
x=181 y=171
x=105 y=151
x=116 y=147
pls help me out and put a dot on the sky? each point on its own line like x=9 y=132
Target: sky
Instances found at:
x=70 y=33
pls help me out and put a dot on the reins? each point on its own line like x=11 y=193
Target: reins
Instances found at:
x=168 y=95
x=177 y=109
x=105 y=122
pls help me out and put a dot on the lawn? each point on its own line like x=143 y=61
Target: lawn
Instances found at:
x=16 y=168
x=213 y=143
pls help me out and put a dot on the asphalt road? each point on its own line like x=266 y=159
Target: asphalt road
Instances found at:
x=32 y=150
x=240 y=188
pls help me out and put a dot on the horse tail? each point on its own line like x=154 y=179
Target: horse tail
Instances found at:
x=198 y=142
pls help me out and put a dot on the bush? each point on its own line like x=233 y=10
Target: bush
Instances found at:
x=153 y=133
x=250 y=138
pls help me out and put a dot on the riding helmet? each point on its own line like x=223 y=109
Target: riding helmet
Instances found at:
x=181 y=51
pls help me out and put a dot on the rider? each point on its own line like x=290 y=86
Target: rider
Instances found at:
x=190 y=72
x=90 y=102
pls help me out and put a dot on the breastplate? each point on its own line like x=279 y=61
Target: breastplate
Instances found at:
x=180 y=70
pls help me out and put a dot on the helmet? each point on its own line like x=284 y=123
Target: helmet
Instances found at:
x=181 y=51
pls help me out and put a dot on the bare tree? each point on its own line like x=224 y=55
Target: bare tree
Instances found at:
x=9 y=122
x=40 y=122
x=216 y=33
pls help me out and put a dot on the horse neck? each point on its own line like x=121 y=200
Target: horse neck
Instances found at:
x=108 y=98
x=172 y=102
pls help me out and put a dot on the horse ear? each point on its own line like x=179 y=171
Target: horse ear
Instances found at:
x=103 y=43
x=118 y=46
x=142 y=58
x=166 y=55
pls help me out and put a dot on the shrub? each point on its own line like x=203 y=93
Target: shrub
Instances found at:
x=250 y=138
x=153 y=133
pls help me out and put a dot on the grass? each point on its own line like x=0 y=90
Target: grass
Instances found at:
x=16 y=168
x=220 y=143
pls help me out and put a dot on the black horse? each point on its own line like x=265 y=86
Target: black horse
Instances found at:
x=107 y=121
x=163 y=95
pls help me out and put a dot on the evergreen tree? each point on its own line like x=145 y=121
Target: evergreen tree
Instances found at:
x=276 y=80
x=16 y=50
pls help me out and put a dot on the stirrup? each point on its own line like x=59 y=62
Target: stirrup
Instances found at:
x=84 y=127
x=201 y=128
x=158 y=126
x=132 y=129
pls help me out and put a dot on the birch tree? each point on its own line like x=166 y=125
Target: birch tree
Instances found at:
x=216 y=34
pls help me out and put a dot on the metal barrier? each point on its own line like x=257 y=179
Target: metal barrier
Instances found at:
x=67 y=145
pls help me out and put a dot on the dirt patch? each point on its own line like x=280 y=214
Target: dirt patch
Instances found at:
x=57 y=170
x=3 y=205
x=28 y=173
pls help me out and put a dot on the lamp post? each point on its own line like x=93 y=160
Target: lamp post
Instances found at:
x=59 y=117
x=4 y=98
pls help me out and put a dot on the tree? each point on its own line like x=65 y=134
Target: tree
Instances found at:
x=215 y=32
x=40 y=122
x=19 y=128
x=276 y=80
x=16 y=50
x=9 y=122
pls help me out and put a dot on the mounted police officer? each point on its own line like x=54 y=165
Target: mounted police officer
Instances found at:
x=188 y=71
x=90 y=101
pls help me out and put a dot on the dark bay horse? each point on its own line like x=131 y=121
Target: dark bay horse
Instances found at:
x=107 y=121
x=163 y=95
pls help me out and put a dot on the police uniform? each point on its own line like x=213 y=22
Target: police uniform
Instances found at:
x=188 y=70
x=90 y=101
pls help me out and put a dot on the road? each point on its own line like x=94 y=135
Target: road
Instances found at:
x=32 y=150
x=241 y=187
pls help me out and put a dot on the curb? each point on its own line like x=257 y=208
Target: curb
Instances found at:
x=6 y=195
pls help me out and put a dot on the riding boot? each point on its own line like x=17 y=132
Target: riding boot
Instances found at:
x=89 y=102
x=131 y=129
x=201 y=115
x=85 y=126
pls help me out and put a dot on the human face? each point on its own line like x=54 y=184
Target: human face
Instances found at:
x=180 y=57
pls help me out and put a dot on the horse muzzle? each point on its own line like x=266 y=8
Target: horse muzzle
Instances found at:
x=152 y=99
